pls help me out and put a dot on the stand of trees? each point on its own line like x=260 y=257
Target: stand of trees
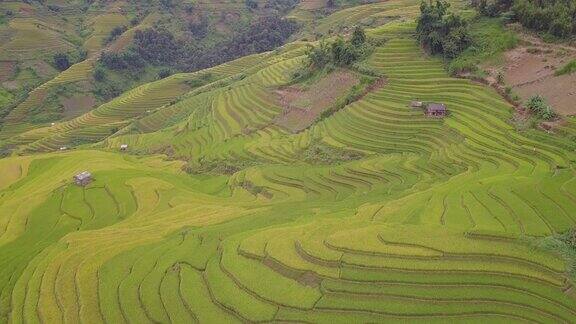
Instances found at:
x=440 y=31
x=159 y=47
x=338 y=53
x=554 y=17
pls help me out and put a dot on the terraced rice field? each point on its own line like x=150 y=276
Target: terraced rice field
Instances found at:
x=29 y=35
x=101 y=26
x=435 y=221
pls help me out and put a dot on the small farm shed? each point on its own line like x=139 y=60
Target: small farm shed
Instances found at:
x=416 y=104
x=436 y=109
x=83 y=178
x=123 y=147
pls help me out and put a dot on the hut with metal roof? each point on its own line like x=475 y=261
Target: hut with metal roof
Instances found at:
x=436 y=110
x=83 y=178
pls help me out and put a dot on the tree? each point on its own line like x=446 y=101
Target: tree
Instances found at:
x=164 y=73
x=358 y=37
x=441 y=32
x=61 y=61
x=199 y=28
x=343 y=53
x=318 y=56
x=166 y=4
x=99 y=74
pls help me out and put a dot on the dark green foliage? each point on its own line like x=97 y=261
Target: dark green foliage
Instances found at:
x=107 y=90
x=134 y=21
x=254 y=189
x=555 y=17
x=166 y=4
x=61 y=61
x=281 y=5
x=320 y=153
x=251 y=4
x=319 y=56
x=264 y=34
x=340 y=52
x=344 y=53
x=199 y=28
x=164 y=73
x=200 y=80
x=123 y=61
x=99 y=74
x=54 y=8
x=358 y=37
x=159 y=47
x=156 y=46
x=117 y=31
x=538 y=106
x=442 y=32
x=189 y=8
x=492 y=8
x=228 y=167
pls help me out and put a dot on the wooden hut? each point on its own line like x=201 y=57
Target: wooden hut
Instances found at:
x=436 y=110
x=416 y=104
x=83 y=178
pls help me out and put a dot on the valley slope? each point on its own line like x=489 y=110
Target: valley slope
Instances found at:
x=216 y=213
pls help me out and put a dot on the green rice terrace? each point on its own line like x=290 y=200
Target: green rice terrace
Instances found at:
x=204 y=205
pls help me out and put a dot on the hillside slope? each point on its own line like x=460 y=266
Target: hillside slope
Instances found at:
x=216 y=213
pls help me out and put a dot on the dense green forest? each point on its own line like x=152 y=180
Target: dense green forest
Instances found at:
x=554 y=17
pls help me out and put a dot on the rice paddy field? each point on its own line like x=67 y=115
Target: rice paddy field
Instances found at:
x=215 y=214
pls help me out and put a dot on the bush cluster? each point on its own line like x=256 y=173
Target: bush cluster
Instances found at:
x=339 y=52
x=538 y=106
x=114 y=33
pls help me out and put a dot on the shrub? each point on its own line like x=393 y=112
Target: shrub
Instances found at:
x=61 y=61
x=251 y=4
x=164 y=73
x=199 y=29
x=99 y=74
x=114 y=33
x=358 y=37
x=134 y=21
x=537 y=105
x=569 y=68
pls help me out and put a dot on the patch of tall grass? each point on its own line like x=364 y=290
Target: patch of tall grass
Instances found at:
x=490 y=39
x=569 y=68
